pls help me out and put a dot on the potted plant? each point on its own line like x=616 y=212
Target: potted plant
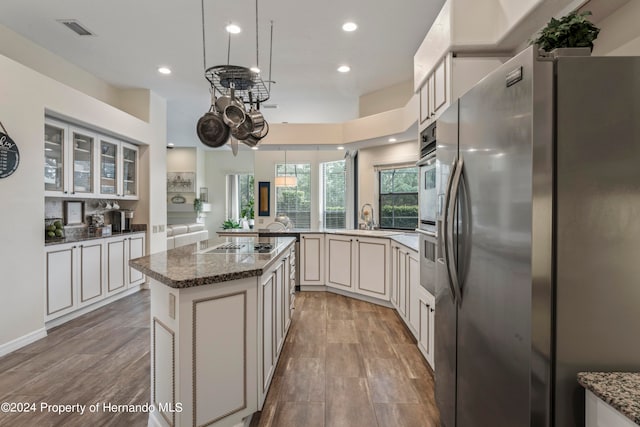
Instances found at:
x=571 y=31
x=248 y=213
x=197 y=206
x=230 y=224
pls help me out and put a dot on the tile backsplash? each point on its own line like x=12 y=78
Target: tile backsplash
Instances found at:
x=53 y=208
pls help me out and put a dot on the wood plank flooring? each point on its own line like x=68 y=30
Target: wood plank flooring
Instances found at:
x=348 y=363
x=102 y=356
x=345 y=363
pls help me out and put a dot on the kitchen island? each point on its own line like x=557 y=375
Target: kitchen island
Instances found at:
x=220 y=312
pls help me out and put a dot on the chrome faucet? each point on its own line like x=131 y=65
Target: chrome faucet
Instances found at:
x=371 y=222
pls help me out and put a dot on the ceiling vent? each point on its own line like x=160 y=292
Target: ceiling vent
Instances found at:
x=76 y=27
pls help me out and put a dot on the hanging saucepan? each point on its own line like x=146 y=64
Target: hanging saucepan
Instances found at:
x=228 y=99
x=254 y=122
x=255 y=137
x=211 y=128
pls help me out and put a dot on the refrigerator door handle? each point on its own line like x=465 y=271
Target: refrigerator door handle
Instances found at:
x=453 y=197
x=445 y=226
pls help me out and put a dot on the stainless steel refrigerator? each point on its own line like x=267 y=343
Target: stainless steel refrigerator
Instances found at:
x=538 y=258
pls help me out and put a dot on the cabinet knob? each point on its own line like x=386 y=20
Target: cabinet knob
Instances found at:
x=65 y=192
x=73 y=192
x=432 y=310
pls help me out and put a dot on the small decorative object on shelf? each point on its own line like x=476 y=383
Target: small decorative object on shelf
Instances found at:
x=197 y=206
x=177 y=200
x=571 y=31
x=53 y=229
x=204 y=194
x=73 y=212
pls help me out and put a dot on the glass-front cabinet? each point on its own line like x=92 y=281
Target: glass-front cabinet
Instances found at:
x=54 y=158
x=129 y=171
x=83 y=164
x=109 y=171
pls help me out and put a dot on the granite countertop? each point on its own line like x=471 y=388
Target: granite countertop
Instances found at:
x=190 y=265
x=619 y=389
x=81 y=237
x=411 y=241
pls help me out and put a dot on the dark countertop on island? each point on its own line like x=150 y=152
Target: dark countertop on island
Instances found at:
x=81 y=237
x=190 y=265
x=621 y=390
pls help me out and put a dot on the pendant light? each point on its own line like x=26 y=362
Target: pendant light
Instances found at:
x=286 y=180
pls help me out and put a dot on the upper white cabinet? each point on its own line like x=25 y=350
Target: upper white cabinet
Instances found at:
x=69 y=160
x=312 y=259
x=79 y=163
x=451 y=78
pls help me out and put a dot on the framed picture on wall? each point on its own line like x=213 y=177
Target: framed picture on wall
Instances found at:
x=73 y=212
x=264 y=197
x=181 y=182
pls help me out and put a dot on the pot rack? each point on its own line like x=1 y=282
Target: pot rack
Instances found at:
x=242 y=79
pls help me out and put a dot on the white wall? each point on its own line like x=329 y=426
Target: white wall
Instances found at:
x=386 y=99
x=218 y=164
x=620 y=32
x=25 y=95
x=264 y=170
x=368 y=158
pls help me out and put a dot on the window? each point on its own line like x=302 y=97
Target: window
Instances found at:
x=239 y=194
x=333 y=206
x=398 y=198
x=295 y=202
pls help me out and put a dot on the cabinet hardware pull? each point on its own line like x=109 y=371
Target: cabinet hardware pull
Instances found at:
x=432 y=310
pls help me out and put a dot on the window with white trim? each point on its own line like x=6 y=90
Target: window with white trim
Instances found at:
x=295 y=201
x=398 y=197
x=333 y=206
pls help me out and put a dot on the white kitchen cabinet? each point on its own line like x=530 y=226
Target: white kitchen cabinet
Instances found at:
x=449 y=79
x=90 y=275
x=426 y=325
x=115 y=249
x=372 y=267
x=403 y=291
x=118 y=169
x=599 y=413
x=119 y=250
x=340 y=258
x=312 y=259
x=413 y=287
x=279 y=305
x=395 y=282
x=60 y=280
x=291 y=288
x=69 y=160
x=136 y=250
x=267 y=347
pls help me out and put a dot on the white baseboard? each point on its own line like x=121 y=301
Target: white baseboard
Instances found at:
x=322 y=288
x=89 y=308
x=22 y=341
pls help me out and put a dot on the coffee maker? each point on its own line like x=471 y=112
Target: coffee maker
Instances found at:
x=121 y=220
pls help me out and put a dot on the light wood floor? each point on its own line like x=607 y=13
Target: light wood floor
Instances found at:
x=348 y=363
x=345 y=363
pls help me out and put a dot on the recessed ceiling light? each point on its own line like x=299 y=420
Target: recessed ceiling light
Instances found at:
x=344 y=68
x=255 y=69
x=350 y=26
x=233 y=29
x=392 y=140
x=164 y=70
x=341 y=148
x=254 y=148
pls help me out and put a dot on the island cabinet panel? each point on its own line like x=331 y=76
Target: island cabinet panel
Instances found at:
x=268 y=333
x=204 y=353
x=219 y=376
x=339 y=261
x=279 y=306
x=372 y=267
x=115 y=266
x=59 y=284
x=312 y=262
x=90 y=272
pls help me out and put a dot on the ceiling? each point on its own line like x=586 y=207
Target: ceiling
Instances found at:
x=134 y=38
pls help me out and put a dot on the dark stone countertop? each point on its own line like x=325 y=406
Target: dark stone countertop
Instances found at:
x=191 y=265
x=81 y=237
x=621 y=390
